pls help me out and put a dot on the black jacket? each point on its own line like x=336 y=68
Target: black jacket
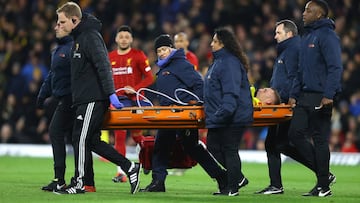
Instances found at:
x=57 y=83
x=91 y=76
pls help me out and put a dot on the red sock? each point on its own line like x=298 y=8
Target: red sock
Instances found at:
x=120 y=138
x=137 y=136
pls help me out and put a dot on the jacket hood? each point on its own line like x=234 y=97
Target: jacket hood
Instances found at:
x=325 y=22
x=88 y=22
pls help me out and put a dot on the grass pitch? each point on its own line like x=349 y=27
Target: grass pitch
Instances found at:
x=22 y=177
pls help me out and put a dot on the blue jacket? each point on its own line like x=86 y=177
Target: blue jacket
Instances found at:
x=227 y=95
x=320 y=66
x=176 y=72
x=286 y=67
x=57 y=82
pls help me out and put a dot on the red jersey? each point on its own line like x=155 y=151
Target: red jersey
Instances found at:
x=131 y=69
x=192 y=58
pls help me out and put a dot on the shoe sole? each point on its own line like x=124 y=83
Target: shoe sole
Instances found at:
x=272 y=193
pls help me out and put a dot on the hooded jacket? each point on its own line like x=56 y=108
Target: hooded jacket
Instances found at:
x=57 y=83
x=91 y=76
x=286 y=67
x=227 y=97
x=177 y=72
x=320 y=65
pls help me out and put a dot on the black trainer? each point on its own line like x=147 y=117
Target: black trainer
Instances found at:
x=71 y=190
x=313 y=192
x=54 y=185
x=271 y=190
x=325 y=192
x=227 y=193
x=154 y=186
x=244 y=181
x=134 y=177
x=332 y=179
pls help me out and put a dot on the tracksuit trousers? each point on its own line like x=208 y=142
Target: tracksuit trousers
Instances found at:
x=277 y=142
x=60 y=130
x=316 y=124
x=86 y=134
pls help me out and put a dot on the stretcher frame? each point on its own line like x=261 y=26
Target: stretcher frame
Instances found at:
x=188 y=117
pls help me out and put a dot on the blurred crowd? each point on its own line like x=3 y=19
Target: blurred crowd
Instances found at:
x=27 y=38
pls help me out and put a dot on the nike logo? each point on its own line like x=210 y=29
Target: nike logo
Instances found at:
x=324 y=193
x=59 y=187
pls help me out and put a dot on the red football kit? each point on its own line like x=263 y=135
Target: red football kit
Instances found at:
x=131 y=69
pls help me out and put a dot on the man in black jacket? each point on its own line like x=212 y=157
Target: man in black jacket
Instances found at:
x=92 y=87
x=57 y=85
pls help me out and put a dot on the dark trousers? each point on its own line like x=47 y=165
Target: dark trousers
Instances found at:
x=86 y=134
x=316 y=124
x=277 y=142
x=164 y=142
x=223 y=144
x=60 y=130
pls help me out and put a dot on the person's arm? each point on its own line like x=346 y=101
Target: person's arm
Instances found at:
x=98 y=55
x=230 y=80
x=331 y=51
x=45 y=91
x=145 y=69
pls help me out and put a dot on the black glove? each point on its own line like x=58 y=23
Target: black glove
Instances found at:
x=40 y=102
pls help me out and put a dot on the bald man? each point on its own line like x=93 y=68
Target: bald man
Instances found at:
x=181 y=41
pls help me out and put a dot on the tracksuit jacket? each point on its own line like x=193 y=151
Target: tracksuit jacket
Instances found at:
x=177 y=72
x=320 y=65
x=227 y=95
x=286 y=67
x=57 y=83
x=90 y=80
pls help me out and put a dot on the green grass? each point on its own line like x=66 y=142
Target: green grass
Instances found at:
x=22 y=177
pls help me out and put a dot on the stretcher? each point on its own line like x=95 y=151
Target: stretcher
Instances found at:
x=159 y=117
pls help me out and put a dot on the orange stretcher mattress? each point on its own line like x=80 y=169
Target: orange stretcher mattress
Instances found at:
x=157 y=117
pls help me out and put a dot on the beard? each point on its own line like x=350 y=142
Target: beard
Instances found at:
x=124 y=48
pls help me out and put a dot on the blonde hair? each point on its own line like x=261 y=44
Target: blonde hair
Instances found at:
x=70 y=9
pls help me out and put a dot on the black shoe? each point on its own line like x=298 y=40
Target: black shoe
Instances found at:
x=230 y=193
x=313 y=192
x=325 y=192
x=54 y=185
x=134 y=177
x=271 y=190
x=332 y=179
x=244 y=181
x=71 y=190
x=154 y=186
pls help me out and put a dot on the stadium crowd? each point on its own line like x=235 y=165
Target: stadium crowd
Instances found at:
x=27 y=38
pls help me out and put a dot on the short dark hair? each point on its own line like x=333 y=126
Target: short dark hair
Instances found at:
x=124 y=28
x=289 y=26
x=323 y=5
